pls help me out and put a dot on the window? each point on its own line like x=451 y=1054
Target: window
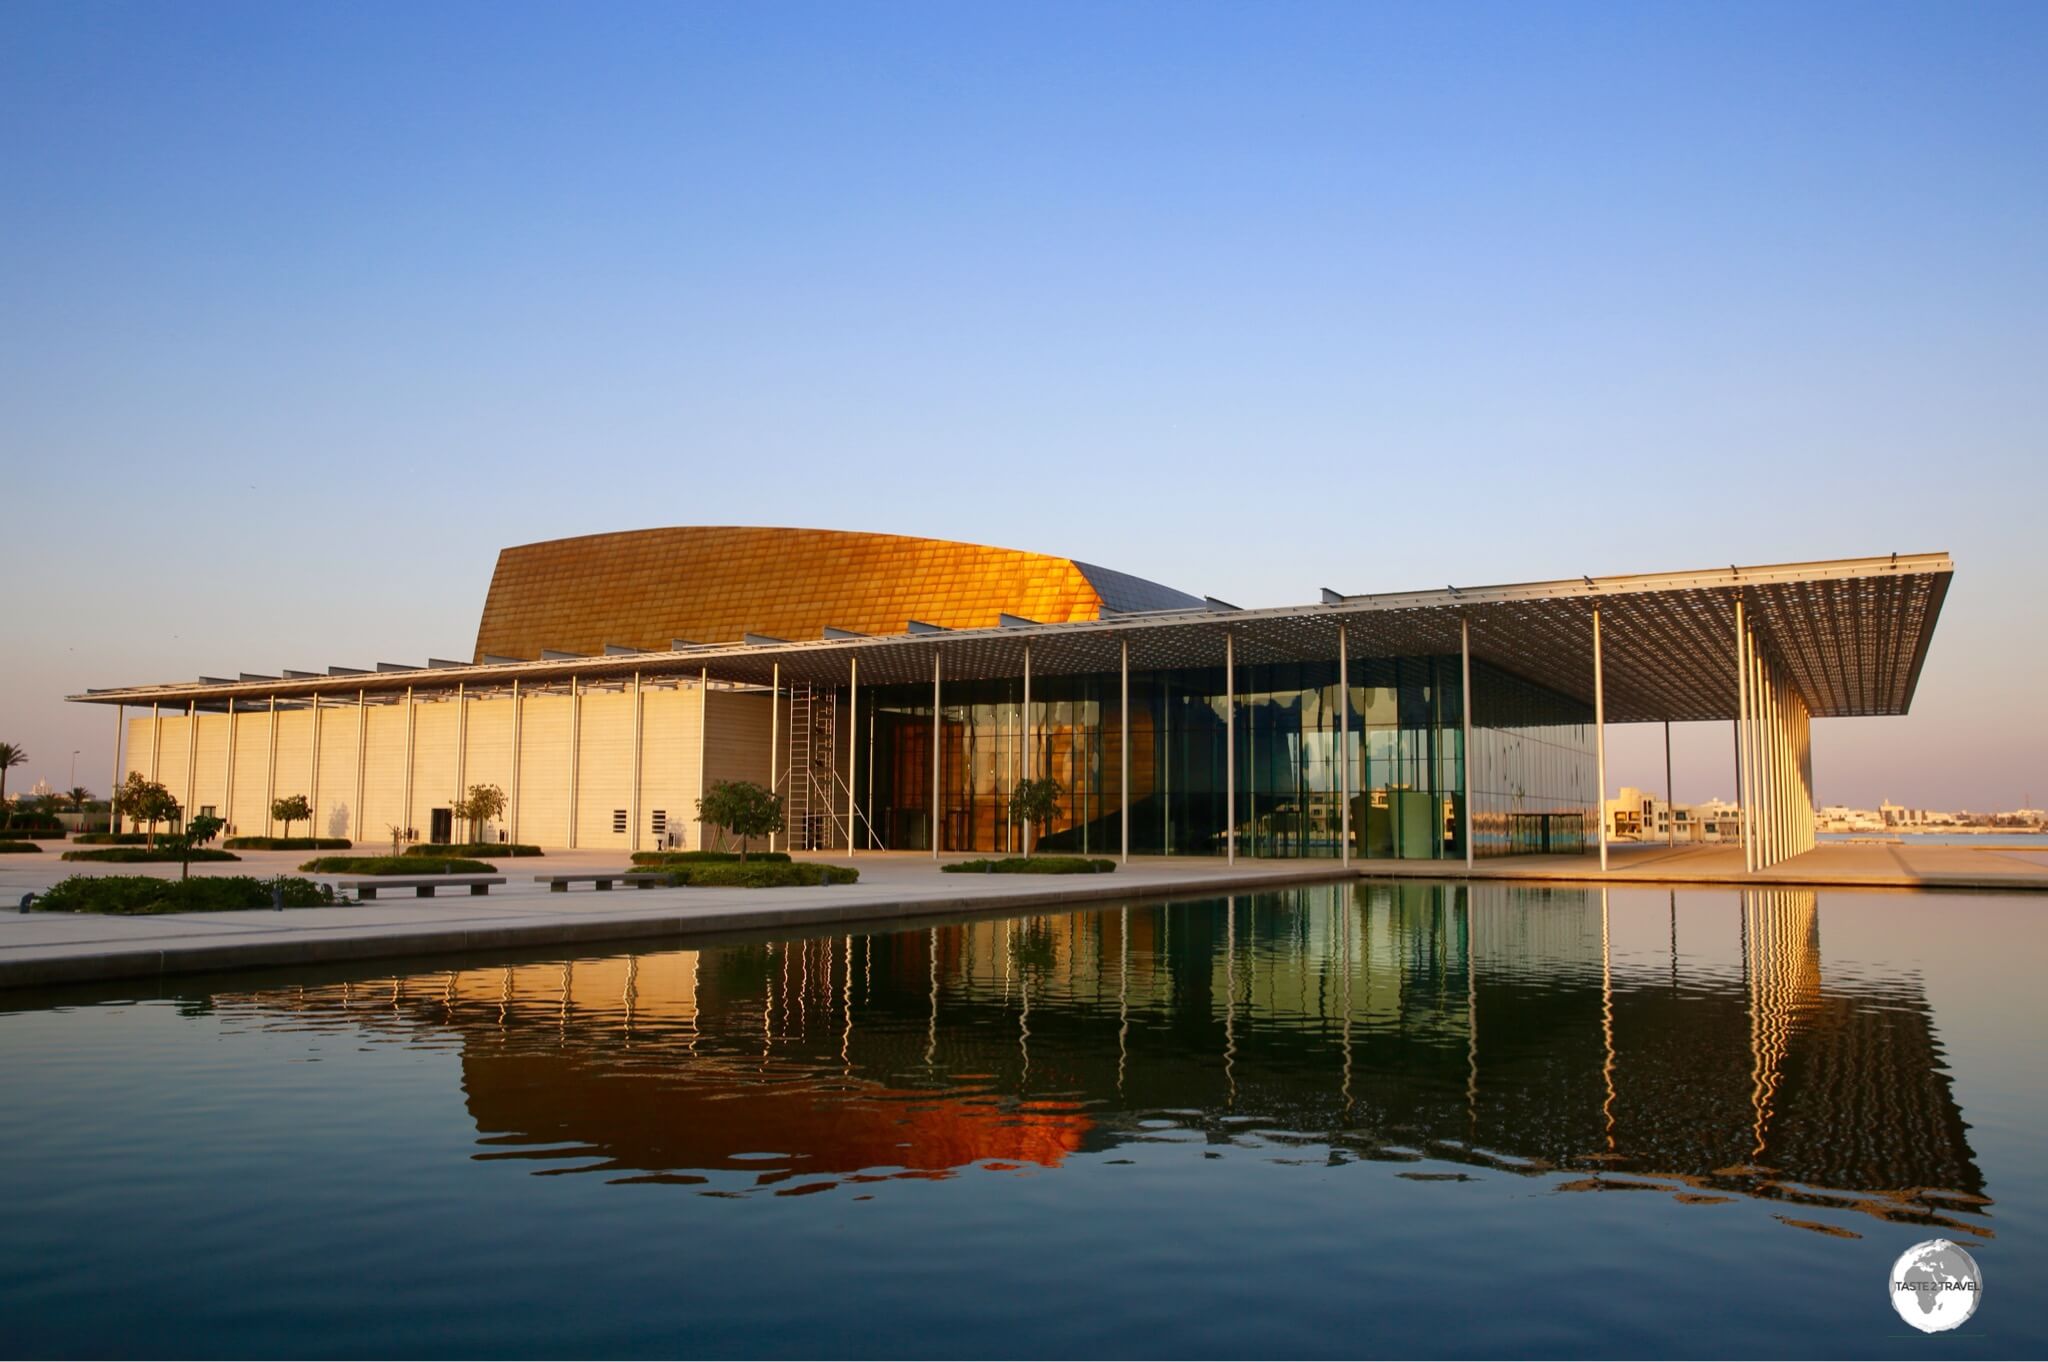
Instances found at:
x=206 y=811
x=618 y=820
x=660 y=822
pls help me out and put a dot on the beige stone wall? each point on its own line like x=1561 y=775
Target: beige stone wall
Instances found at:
x=487 y=757
x=334 y=806
x=671 y=774
x=252 y=760
x=604 y=784
x=676 y=752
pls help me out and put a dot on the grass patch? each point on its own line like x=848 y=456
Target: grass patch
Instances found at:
x=759 y=874
x=287 y=844
x=661 y=860
x=1033 y=865
x=138 y=895
x=150 y=855
x=474 y=849
x=395 y=865
x=9 y=848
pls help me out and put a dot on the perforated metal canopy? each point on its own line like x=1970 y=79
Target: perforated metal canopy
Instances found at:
x=1850 y=634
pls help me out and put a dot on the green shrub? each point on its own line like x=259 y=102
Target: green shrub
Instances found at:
x=162 y=854
x=1033 y=865
x=663 y=859
x=146 y=894
x=7 y=848
x=112 y=839
x=474 y=849
x=287 y=844
x=395 y=865
x=759 y=874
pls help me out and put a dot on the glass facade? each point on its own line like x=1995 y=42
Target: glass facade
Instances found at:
x=1532 y=778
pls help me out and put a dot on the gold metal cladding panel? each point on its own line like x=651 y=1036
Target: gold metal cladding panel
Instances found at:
x=714 y=584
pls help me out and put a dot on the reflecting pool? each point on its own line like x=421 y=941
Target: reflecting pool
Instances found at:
x=1341 y=1120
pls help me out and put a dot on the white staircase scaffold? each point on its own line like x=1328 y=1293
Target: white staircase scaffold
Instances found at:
x=816 y=797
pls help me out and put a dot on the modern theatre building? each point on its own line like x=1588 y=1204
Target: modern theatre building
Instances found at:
x=895 y=689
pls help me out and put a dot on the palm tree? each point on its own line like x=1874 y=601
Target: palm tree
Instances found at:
x=10 y=756
x=79 y=797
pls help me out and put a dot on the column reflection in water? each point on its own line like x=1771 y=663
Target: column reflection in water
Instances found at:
x=1547 y=1031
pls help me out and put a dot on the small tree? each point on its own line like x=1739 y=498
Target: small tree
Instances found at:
x=1035 y=803
x=198 y=830
x=744 y=809
x=478 y=807
x=291 y=809
x=11 y=756
x=142 y=800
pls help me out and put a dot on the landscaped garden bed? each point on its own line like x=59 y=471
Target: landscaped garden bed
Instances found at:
x=658 y=860
x=287 y=844
x=1033 y=865
x=755 y=874
x=395 y=865
x=170 y=855
x=142 y=895
x=474 y=849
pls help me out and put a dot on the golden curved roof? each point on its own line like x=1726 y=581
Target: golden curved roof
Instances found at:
x=716 y=583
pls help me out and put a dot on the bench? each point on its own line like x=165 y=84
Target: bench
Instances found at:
x=639 y=879
x=423 y=888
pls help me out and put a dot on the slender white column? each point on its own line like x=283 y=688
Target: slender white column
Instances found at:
x=1230 y=747
x=1465 y=765
x=852 y=727
x=1745 y=786
x=1124 y=820
x=1600 y=736
x=1766 y=752
x=313 y=776
x=411 y=727
x=156 y=745
x=1774 y=803
x=461 y=745
x=518 y=717
x=633 y=837
x=270 y=777
x=191 y=755
x=227 y=798
x=356 y=826
x=935 y=754
x=1343 y=747
x=774 y=736
x=1670 y=809
x=1029 y=732
x=575 y=750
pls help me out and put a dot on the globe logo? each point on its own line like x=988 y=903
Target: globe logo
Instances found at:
x=1935 y=1286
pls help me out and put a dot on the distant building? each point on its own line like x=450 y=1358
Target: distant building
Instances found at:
x=1637 y=816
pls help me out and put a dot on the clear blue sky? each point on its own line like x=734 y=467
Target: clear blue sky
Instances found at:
x=306 y=310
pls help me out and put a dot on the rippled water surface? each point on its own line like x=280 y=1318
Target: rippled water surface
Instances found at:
x=1345 y=1120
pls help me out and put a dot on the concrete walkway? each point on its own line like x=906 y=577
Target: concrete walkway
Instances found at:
x=47 y=948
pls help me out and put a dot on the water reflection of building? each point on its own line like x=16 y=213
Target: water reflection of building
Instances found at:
x=1390 y=1020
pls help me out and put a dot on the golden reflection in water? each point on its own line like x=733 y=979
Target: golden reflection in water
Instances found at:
x=1351 y=1017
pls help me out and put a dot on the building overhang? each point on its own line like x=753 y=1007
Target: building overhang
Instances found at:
x=1850 y=634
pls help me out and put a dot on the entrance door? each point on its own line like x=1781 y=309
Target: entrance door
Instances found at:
x=443 y=830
